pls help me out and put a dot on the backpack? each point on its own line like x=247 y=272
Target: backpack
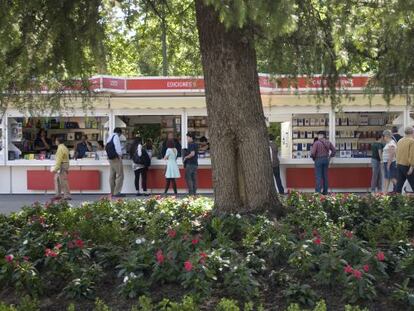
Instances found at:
x=110 y=150
x=144 y=159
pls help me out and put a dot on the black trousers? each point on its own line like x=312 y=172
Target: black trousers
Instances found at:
x=141 y=172
x=167 y=185
x=276 y=173
x=402 y=177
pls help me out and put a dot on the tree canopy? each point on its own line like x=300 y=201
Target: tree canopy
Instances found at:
x=50 y=43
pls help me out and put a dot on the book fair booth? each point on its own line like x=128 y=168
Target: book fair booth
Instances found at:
x=153 y=107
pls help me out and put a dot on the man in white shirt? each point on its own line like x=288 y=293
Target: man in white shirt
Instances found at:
x=116 y=175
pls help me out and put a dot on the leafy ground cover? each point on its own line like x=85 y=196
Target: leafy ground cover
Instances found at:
x=338 y=252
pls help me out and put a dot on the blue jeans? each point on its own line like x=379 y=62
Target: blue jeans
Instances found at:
x=321 y=175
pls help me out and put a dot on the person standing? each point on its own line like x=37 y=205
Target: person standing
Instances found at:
x=172 y=172
x=42 y=143
x=82 y=147
x=395 y=135
x=114 y=152
x=405 y=159
x=274 y=157
x=138 y=154
x=376 y=160
x=322 y=151
x=191 y=165
x=389 y=160
x=61 y=170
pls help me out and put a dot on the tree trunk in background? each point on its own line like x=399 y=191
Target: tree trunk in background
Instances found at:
x=242 y=174
x=164 y=47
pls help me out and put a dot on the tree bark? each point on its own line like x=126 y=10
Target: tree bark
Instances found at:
x=242 y=174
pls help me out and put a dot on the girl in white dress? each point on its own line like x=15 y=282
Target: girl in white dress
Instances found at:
x=172 y=172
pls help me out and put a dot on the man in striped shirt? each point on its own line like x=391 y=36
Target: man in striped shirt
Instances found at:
x=322 y=151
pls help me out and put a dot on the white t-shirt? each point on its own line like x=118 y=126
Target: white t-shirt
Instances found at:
x=386 y=151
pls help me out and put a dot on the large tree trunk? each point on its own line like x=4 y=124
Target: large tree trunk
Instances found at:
x=242 y=174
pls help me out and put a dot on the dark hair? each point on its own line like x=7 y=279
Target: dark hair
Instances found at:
x=378 y=135
x=203 y=139
x=118 y=130
x=322 y=133
x=271 y=137
x=134 y=146
x=40 y=132
x=148 y=143
x=315 y=139
x=170 y=143
x=100 y=143
x=191 y=135
x=59 y=139
x=394 y=129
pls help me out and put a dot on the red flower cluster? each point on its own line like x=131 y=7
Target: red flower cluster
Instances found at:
x=380 y=256
x=50 y=253
x=160 y=256
x=203 y=258
x=357 y=274
x=348 y=234
x=172 y=233
x=317 y=241
x=9 y=258
x=188 y=266
x=366 y=268
x=195 y=241
x=348 y=269
x=76 y=243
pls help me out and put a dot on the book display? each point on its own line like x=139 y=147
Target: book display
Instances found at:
x=305 y=128
x=356 y=131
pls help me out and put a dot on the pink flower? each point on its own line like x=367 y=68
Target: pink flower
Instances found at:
x=9 y=258
x=79 y=243
x=172 y=233
x=348 y=269
x=380 y=256
x=26 y=258
x=58 y=246
x=195 y=241
x=357 y=274
x=366 y=268
x=188 y=266
x=160 y=257
x=317 y=241
x=50 y=253
x=348 y=234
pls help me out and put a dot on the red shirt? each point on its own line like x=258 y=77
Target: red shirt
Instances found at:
x=322 y=148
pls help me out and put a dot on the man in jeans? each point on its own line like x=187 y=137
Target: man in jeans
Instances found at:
x=322 y=152
x=274 y=157
x=116 y=174
x=191 y=165
x=61 y=170
x=376 y=160
x=405 y=160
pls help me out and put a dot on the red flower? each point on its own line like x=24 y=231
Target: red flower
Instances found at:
x=348 y=269
x=160 y=257
x=188 y=266
x=357 y=274
x=58 y=246
x=348 y=234
x=317 y=241
x=380 y=256
x=172 y=233
x=79 y=243
x=195 y=241
x=203 y=257
x=366 y=268
x=315 y=233
x=9 y=258
x=50 y=253
x=322 y=198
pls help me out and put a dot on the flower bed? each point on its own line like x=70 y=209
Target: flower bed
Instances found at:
x=342 y=249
